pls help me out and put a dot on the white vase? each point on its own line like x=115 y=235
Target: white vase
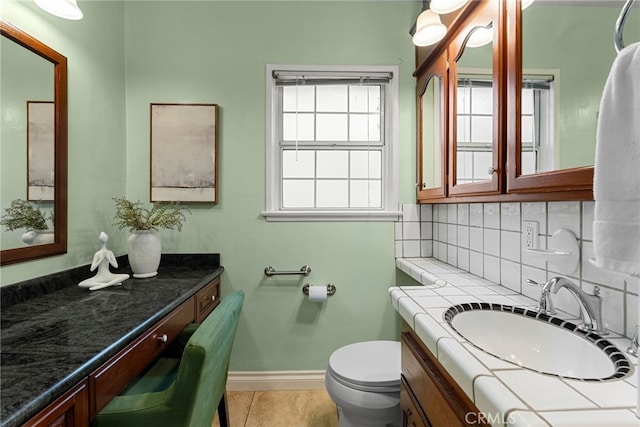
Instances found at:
x=144 y=249
x=38 y=237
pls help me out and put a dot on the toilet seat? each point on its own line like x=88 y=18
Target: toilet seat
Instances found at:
x=372 y=366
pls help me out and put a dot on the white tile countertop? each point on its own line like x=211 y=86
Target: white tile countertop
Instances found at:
x=506 y=393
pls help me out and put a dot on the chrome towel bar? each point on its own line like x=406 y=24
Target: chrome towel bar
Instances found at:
x=270 y=271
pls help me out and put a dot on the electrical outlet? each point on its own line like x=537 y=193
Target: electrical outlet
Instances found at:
x=530 y=231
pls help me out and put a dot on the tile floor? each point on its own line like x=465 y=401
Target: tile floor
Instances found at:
x=281 y=408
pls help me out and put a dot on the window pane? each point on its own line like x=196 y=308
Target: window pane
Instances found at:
x=298 y=164
x=364 y=99
x=463 y=129
x=332 y=98
x=464 y=168
x=527 y=101
x=333 y=164
x=366 y=164
x=463 y=102
x=527 y=130
x=366 y=194
x=528 y=163
x=331 y=127
x=481 y=163
x=482 y=130
x=297 y=193
x=301 y=96
x=332 y=194
x=364 y=127
x=303 y=131
x=482 y=100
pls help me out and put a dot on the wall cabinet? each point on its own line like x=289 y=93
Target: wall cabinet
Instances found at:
x=497 y=123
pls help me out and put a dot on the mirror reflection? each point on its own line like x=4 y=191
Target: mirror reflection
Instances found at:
x=564 y=68
x=474 y=97
x=431 y=133
x=27 y=138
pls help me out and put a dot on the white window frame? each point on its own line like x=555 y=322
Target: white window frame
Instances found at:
x=389 y=211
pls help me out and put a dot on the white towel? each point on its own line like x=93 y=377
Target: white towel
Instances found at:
x=616 y=226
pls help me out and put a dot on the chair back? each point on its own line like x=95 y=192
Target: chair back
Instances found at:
x=202 y=374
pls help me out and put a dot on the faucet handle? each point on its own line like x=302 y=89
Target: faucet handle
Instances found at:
x=534 y=283
x=596 y=290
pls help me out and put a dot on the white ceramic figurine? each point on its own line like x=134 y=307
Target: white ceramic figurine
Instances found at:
x=101 y=260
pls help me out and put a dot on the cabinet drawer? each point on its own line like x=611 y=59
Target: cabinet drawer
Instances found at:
x=207 y=299
x=108 y=380
x=443 y=402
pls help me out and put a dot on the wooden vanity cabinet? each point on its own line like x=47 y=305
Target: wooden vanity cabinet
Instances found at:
x=83 y=402
x=429 y=395
x=69 y=410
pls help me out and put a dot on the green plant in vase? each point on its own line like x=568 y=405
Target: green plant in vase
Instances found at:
x=24 y=214
x=144 y=245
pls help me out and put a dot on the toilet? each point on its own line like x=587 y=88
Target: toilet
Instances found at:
x=363 y=379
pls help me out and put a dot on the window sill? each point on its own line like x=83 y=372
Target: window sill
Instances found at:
x=329 y=216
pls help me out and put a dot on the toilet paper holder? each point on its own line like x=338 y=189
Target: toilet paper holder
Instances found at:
x=331 y=289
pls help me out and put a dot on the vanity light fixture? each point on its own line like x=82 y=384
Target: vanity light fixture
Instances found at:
x=442 y=7
x=480 y=36
x=429 y=29
x=67 y=9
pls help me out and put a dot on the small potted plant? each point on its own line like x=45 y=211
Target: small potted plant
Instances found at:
x=143 y=246
x=23 y=214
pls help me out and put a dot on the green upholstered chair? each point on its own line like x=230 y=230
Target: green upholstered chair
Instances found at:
x=195 y=388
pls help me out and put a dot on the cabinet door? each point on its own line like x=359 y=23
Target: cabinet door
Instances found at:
x=559 y=57
x=411 y=415
x=70 y=410
x=432 y=130
x=476 y=103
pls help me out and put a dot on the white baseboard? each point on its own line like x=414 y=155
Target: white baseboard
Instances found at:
x=275 y=380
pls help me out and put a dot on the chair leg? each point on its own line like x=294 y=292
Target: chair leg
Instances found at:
x=223 y=413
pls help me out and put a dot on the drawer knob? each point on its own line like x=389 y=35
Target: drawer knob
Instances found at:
x=213 y=297
x=162 y=338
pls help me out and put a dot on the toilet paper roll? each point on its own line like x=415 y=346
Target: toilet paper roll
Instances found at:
x=317 y=293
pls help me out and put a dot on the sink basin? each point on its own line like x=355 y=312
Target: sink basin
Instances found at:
x=538 y=342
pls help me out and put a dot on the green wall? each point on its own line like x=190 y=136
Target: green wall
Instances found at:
x=122 y=56
x=216 y=52
x=96 y=108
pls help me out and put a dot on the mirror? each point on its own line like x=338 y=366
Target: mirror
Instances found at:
x=475 y=103
x=431 y=127
x=567 y=52
x=34 y=141
x=431 y=130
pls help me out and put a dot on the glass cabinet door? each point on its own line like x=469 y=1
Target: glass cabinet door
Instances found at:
x=431 y=130
x=476 y=106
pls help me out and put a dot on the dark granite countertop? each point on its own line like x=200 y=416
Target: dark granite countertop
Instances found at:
x=54 y=333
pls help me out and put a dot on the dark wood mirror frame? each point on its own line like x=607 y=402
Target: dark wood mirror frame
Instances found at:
x=59 y=245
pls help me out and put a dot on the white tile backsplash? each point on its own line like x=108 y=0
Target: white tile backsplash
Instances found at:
x=486 y=240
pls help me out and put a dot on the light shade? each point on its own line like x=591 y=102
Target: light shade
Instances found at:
x=429 y=29
x=526 y=3
x=480 y=36
x=443 y=7
x=67 y=9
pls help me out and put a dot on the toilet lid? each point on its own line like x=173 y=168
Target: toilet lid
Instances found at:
x=369 y=363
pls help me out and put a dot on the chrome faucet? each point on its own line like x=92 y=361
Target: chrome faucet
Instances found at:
x=545 y=305
x=590 y=305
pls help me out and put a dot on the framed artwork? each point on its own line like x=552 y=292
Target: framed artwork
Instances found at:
x=184 y=153
x=40 y=150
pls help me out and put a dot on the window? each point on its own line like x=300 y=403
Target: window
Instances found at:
x=331 y=143
x=475 y=126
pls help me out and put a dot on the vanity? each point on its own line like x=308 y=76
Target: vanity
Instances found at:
x=67 y=351
x=447 y=380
